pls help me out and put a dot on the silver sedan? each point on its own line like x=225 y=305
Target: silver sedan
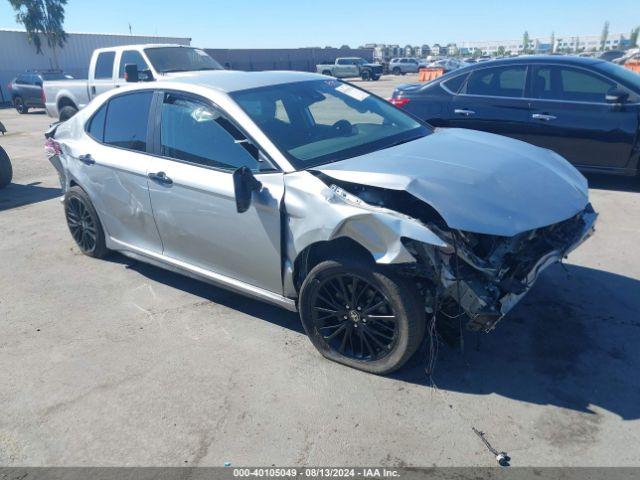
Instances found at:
x=317 y=196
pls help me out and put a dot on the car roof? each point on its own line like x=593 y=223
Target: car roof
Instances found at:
x=232 y=81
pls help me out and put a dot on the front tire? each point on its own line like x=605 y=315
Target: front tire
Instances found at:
x=84 y=224
x=20 y=106
x=365 y=75
x=396 y=71
x=6 y=171
x=361 y=315
x=67 y=112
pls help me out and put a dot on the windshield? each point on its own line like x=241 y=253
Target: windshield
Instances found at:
x=628 y=77
x=180 y=59
x=323 y=121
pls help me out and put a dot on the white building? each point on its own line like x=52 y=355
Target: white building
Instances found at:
x=18 y=55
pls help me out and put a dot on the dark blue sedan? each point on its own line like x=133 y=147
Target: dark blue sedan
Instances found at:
x=585 y=109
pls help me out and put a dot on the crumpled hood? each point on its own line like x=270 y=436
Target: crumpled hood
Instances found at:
x=478 y=182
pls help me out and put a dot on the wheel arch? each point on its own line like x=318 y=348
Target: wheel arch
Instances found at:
x=65 y=101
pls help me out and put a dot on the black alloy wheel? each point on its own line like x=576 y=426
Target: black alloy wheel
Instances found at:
x=84 y=224
x=354 y=317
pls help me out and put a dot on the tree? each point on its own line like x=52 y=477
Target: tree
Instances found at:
x=577 y=45
x=604 y=36
x=633 y=38
x=42 y=17
x=501 y=51
x=525 y=42
x=553 y=42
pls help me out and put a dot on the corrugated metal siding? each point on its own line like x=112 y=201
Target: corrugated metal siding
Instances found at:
x=303 y=59
x=18 y=55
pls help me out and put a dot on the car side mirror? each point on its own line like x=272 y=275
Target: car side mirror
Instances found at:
x=616 y=96
x=244 y=184
x=131 y=73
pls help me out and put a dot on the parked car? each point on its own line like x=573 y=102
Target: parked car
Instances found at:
x=350 y=67
x=447 y=64
x=107 y=70
x=582 y=108
x=6 y=171
x=400 y=66
x=611 y=55
x=315 y=195
x=26 y=89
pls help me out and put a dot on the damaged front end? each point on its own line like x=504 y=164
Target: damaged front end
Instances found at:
x=478 y=276
x=484 y=276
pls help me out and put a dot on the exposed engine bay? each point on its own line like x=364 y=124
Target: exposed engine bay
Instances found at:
x=478 y=276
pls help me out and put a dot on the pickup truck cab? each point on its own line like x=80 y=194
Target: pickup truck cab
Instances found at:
x=346 y=67
x=64 y=98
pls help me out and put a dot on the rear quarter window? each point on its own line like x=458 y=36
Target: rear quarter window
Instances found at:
x=95 y=126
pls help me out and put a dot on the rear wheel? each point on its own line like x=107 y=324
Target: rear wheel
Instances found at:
x=84 y=224
x=365 y=75
x=21 y=107
x=6 y=171
x=360 y=315
x=67 y=112
x=327 y=73
x=375 y=78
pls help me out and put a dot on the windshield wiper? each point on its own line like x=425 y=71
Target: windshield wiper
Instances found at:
x=400 y=142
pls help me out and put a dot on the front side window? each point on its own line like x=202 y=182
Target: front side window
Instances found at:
x=497 y=82
x=104 y=65
x=132 y=57
x=198 y=133
x=127 y=119
x=326 y=120
x=570 y=84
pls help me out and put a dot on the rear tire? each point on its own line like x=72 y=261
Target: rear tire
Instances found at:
x=385 y=318
x=365 y=75
x=6 y=171
x=67 y=112
x=327 y=73
x=84 y=224
x=20 y=106
x=375 y=78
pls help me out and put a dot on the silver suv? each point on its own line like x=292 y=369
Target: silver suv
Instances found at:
x=400 y=66
x=317 y=196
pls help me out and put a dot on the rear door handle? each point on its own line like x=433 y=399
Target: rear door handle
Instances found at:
x=545 y=117
x=160 y=177
x=464 y=111
x=87 y=159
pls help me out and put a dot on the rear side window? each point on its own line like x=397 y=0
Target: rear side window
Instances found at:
x=455 y=84
x=127 y=119
x=497 y=82
x=104 y=65
x=132 y=57
x=95 y=128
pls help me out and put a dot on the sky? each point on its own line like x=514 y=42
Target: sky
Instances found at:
x=306 y=23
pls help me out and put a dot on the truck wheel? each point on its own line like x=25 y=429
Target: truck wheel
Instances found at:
x=84 y=224
x=375 y=78
x=365 y=75
x=6 y=171
x=327 y=73
x=361 y=315
x=21 y=108
x=67 y=112
x=396 y=71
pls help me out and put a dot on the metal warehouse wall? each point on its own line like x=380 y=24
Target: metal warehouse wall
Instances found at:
x=18 y=55
x=303 y=59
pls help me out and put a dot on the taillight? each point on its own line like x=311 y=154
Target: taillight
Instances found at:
x=399 y=102
x=52 y=148
x=42 y=96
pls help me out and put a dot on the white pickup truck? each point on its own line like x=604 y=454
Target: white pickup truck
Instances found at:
x=108 y=69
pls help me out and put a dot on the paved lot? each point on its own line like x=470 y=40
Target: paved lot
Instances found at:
x=115 y=362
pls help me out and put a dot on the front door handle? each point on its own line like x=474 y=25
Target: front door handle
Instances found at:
x=464 y=111
x=545 y=117
x=87 y=159
x=160 y=177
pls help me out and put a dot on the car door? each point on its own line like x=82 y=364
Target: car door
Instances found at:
x=569 y=115
x=102 y=79
x=33 y=90
x=492 y=100
x=111 y=164
x=192 y=193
